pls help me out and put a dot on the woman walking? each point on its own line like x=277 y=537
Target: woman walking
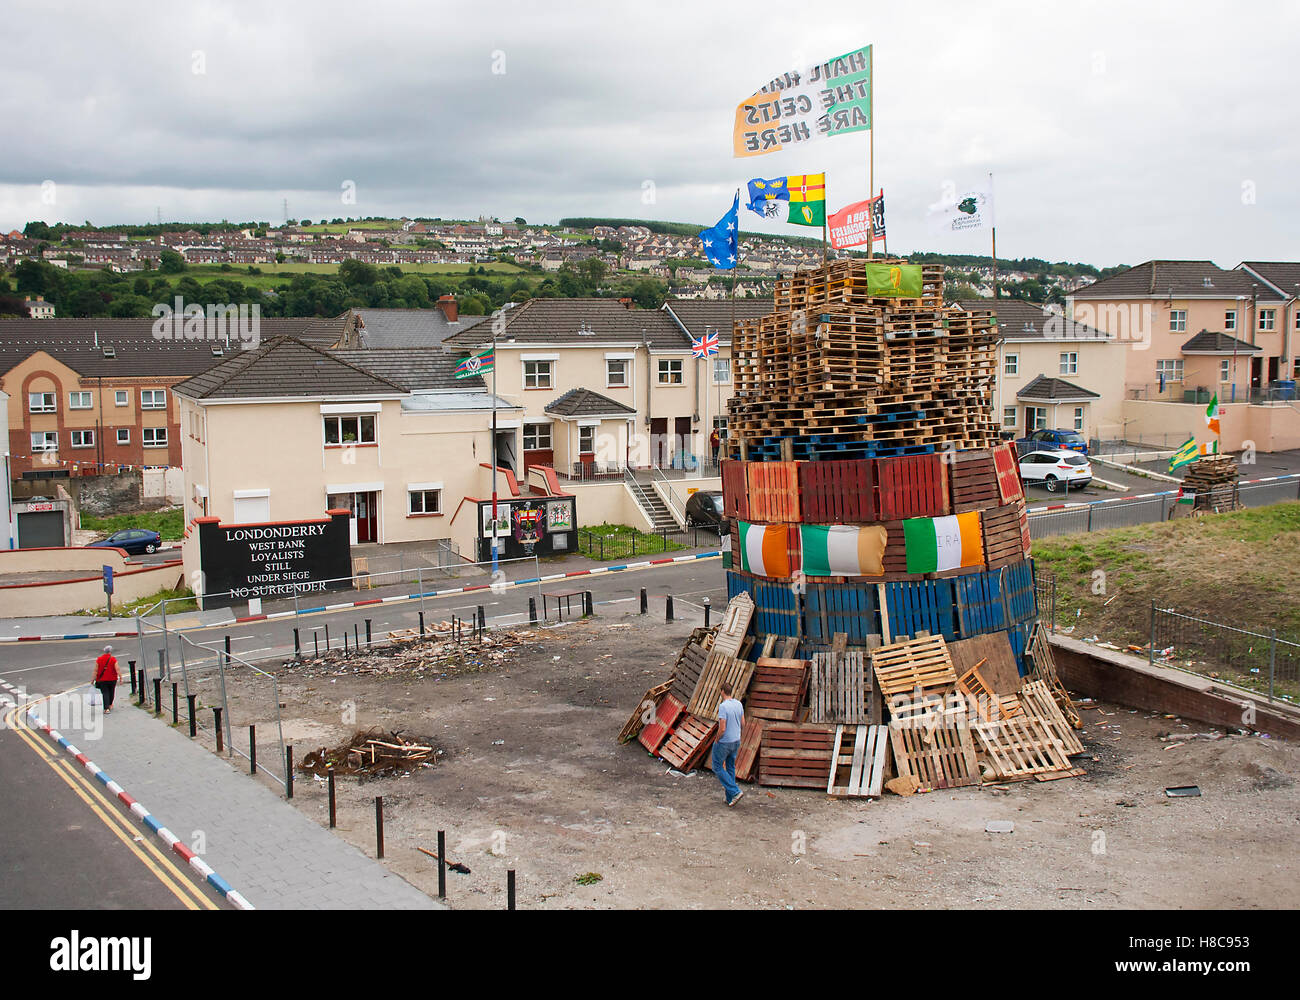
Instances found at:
x=106 y=676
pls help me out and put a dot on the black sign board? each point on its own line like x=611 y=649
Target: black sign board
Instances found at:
x=528 y=526
x=276 y=559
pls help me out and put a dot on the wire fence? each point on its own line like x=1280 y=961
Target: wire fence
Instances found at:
x=629 y=544
x=1249 y=659
x=1045 y=596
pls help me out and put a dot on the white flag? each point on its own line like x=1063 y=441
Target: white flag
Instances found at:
x=967 y=210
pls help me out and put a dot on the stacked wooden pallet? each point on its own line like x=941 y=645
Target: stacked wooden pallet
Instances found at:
x=1213 y=480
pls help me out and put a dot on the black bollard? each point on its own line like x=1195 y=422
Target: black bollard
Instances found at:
x=252 y=750
x=356 y=636
x=532 y=610
x=157 y=696
x=288 y=771
x=175 y=713
x=345 y=640
x=421 y=623
x=706 y=612
x=333 y=812
x=442 y=864
x=379 y=826
x=510 y=889
x=315 y=638
x=216 y=722
x=227 y=650
x=645 y=602
x=132 y=663
x=482 y=621
x=143 y=686
x=327 y=637
x=668 y=608
x=588 y=604
x=194 y=719
x=367 y=633
x=297 y=644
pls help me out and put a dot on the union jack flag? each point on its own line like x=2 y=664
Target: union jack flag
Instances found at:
x=706 y=346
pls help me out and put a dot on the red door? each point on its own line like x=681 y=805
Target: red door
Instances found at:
x=367 y=518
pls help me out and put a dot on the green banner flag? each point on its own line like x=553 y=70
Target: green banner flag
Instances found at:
x=902 y=280
x=1185 y=455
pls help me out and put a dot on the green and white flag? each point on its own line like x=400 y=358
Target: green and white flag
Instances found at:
x=476 y=364
x=935 y=544
x=842 y=549
x=1188 y=453
x=901 y=280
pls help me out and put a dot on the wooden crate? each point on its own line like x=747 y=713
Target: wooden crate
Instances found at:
x=837 y=492
x=1007 y=464
x=643 y=712
x=656 y=732
x=686 y=747
x=936 y=750
x=911 y=486
x=773 y=491
x=973 y=481
x=751 y=737
x=1036 y=697
x=858 y=762
x=841 y=688
x=719 y=669
x=735 y=625
x=913 y=665
x=735 y=490
x=1020 y=747
x=777 y=689
x=795 y=756
x=1043 y=668
x=1003 y=538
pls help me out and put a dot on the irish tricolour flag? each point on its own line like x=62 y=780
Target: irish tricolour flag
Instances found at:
x=935 y=544
x=842 y=549
x=764 y=549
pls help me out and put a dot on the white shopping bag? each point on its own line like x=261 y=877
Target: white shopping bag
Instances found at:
x=94 y=698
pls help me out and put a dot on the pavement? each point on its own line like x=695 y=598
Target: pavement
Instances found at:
x=270 y=853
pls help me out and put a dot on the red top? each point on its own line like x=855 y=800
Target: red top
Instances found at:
x=105 y=668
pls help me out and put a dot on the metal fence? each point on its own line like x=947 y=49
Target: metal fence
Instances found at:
x=1246 y=658
x=1146 y=509
x=1045 y=596
x=626 y=545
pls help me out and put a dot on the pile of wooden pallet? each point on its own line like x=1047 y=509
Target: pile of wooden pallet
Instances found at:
x=1213 y=481
x=373 y=753
x=834 y=372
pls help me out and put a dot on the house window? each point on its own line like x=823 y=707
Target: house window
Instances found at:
x=350 y=430
x=121 y=398
x=154 y=437
x=153 y=399
x=670 y=372
x=83 y=439
x=1035 y=418
x=587 y=440
x=1230 y=319
x=1078 y=418
x=1266 y=319
x=1170 y=369
x=537 y=375
x=1011 y=364
x=721 y=371
x=425 y=501
x=1225 y=370
x=45 y=441
x=123 y=435
x=1008 y=416
x=1177 y=320
x=537 y=437
x=79 y=401
x=41 y=402
x=1070 y=363
x=616 y=373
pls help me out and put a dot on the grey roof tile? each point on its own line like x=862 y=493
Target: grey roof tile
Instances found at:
x=578 y=321
x=1176 y=278
x=282 y=367
x=585 y=402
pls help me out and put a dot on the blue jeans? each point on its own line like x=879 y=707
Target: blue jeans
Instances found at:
x=724 y=766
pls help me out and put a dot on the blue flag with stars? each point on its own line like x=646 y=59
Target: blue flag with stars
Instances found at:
x=720 y=242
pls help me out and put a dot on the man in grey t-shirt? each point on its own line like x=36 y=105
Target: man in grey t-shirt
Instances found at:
x=731 y=719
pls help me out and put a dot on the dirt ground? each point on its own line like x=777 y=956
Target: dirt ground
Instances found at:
x=532 y=778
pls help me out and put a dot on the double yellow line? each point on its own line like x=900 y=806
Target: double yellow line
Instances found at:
x=74 y=776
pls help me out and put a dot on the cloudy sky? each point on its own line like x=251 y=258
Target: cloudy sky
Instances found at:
x=1115 y=132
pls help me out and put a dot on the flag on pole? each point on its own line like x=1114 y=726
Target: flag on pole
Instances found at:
x=1208 y=448
x=968 y=209
x=764 y=194
x=842 y=549
x=476 y=364
x=1212 y=415
x=935 y=544
x=764 y=549
x=720 y=242
x=807 y=199
x=1189 y=452
x=705 y=346
x=853 y=225
x=901 y=280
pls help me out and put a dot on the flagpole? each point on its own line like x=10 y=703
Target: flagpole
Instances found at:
x=871 y=173
x=494 y=448
x=994 y=230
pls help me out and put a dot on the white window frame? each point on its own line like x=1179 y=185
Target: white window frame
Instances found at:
x=423 y=496
x=1010 y=416
x=1011 y=364
x=86 y=442
x=1078 y=419
x=1035 y=419
x=591 y=429
x=724 y=365
x=154 y=432
x=535 y=431
x=80 y=393
x=152 y=395
x=1266 y=318
x=337 y=420
x=1069 y=362
x=124 y=435
x=1177 y=320
x=539 y=374
x=1225 y=370
x=49 y=402
x=667 y=371
x=1172 y=368
x=625 y=365
x=48 y=441
x=1230 y=319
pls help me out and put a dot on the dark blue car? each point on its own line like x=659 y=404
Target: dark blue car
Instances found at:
x=133 y=540
x=1061 y=440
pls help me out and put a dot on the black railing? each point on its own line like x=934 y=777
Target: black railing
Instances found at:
x=629 y=544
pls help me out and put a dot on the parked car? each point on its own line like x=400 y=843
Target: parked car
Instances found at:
x=1055 y=439
x=1055 y=469
x=704 y=509
x=133 y=540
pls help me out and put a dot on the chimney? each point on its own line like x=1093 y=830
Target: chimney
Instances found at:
x=625 y=302
x=447 y=303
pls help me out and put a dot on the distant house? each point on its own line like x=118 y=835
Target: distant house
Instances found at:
x=38 y=308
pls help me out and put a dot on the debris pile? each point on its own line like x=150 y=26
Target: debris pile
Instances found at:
x=408 y=653
x=372 y=754
x=1212 y=482
x=907 y=716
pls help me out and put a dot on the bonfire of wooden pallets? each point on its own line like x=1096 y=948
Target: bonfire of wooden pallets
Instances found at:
x=932 y=713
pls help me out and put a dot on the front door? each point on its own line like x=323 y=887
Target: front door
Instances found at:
x=661 y=447
x=682 y=441
x=1272 y=370
x=367 y=517
x=1256 y=372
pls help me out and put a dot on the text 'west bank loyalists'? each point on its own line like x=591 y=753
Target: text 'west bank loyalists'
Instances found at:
x=829 y=99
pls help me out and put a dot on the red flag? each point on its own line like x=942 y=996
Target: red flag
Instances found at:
x=851 y=226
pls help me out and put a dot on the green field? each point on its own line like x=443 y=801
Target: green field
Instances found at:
x=168 y=523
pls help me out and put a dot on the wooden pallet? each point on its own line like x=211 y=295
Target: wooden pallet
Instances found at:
x=735 y=624
x=913 y=665
x=751 y=737
x=708 y=693
x=795 y=756
x=973 y=481
x=656 y=732
x=984 y=702
x=858 y=762
x=1036 y=697
x=644 y=712
x=777 y=689
x=841 y=688
x=1020 y=747
x=403 y=634
x=937 y=750
x=993 y=650
x=686 y=748
x=1044 y=669
x=686 y=672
